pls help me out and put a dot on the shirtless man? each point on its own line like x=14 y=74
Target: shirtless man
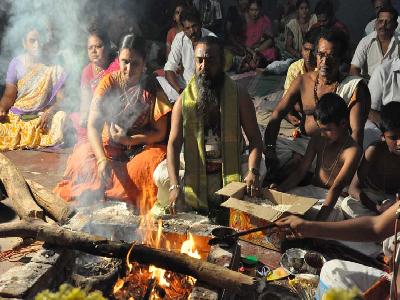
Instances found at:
x=374 y=187
x=310 y=87
x=345 y=274
x=337 y=153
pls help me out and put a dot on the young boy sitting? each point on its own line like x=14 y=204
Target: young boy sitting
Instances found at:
x=337 y=156
x=374 y=187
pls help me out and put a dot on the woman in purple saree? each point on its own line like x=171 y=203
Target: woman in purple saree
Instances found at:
x=29 y=113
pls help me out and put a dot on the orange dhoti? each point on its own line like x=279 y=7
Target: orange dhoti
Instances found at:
x=131 y=180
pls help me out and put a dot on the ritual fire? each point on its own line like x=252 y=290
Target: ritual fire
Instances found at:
x=149 y=282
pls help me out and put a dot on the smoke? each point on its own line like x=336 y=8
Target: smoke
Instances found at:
x=62 y=27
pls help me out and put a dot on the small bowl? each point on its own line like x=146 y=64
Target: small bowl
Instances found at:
x=220 y=239
x=221 y=232
x=313 y=262
x=295 y=258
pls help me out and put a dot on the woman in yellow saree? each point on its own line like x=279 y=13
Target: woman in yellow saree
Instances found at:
x=29 y=116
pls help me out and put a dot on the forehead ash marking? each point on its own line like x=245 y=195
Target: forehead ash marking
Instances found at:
x=202 y=53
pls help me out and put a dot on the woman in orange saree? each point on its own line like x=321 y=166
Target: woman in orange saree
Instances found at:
x=119 y=163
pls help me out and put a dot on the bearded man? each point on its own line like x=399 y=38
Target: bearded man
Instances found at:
x=208 y=119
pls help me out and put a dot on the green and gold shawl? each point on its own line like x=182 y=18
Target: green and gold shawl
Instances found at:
x=196 y=187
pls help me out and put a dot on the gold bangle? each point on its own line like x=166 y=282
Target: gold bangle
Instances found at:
x=101 y=160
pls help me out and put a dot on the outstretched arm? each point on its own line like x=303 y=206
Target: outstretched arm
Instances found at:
x=250 y=127
x=95 y=125
x=173 y=61
x=174 y=147
x=363 y=229
x=285 y=105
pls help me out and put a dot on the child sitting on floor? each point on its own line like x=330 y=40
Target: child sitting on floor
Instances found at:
x=374 y=187
x=337 y=156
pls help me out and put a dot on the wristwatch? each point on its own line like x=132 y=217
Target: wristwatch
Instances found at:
x=174 y=186
x=255 y=171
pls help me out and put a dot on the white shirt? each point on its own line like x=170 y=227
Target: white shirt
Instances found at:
x=182 y=52
x=368 y=54
x=371 y=26
x=384 y=84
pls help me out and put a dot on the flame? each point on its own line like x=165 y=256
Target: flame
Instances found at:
x=128 y=264
x=188 y=247
x=175 y=286
x=160 y=275
x=118 y=285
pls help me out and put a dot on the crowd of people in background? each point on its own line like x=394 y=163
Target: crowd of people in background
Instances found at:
x=139 y=101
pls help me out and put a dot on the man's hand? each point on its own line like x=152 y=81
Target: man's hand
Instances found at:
x=274 y=186
x=293 y=227
x=104 y=171
x=292 y=119
x=118 y=134
x=253 y=184
x=324 y=213
x=384 y=205
x=176 y=200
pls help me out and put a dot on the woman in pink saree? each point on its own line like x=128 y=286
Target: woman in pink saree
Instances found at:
x=259 y=35
x=100 y=56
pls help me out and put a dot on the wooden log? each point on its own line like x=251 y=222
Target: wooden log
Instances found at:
x=56 y=207
x=18 y=191
x=212 y=274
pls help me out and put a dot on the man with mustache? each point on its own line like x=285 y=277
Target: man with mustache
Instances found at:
x=379 y=46
x=377 y=5
x=182 y=53
x=307 y=89
x=208 y=119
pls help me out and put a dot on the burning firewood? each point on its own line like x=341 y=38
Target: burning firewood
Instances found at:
x=212 y=274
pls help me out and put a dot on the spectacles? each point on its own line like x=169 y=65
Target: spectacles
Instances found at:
x=327 y=56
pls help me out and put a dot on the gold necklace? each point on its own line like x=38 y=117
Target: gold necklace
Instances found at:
x=331 y=168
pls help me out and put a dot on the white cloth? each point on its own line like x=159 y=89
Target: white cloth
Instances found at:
x=315 y=192
x=295 y=28
x=353 y=208
x=371 y=134
x=343 y=274
x=171 y=93
x=182 y=52
x=371 y=26
x=384 y=84
x=368 y=54
x=161 y=180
